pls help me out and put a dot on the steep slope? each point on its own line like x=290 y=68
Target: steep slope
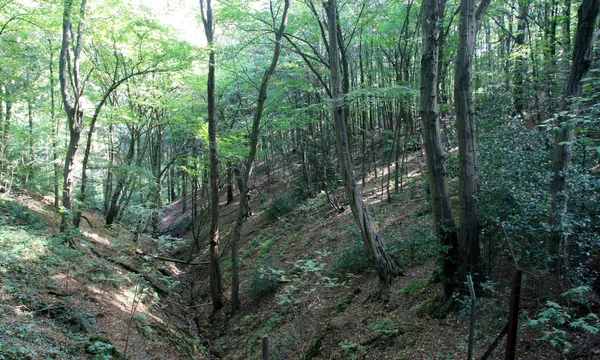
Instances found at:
x=100 y=300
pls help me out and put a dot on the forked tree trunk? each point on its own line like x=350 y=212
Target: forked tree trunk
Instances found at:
x=433 y=12
x=216 y=285
x=70 y=77
x=556 y=243
x=470 y=20
x=385 y=266
x=247 y=170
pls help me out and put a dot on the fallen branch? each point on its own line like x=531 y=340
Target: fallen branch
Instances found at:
x=139 y=252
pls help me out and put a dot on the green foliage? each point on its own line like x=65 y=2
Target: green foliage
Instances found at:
x=15 y=215
x=29 y=338
x=100 y=348
x=351 y=258
x=415 y=243
x=342 y=304
x=353 y=350
x=555 y=320
x=281 y=206
x=385 y=326
x=264 y=278
x=411 y=288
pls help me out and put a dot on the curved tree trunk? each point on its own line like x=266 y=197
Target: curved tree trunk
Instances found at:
x=247 y=171
x=433 y=12
x=556 y=244
x=385 y=266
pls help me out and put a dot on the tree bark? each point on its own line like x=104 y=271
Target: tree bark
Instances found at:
x=69 y=75
x=216 y=285
x=470 y=20
x=556 y=243
x=55 y=126
x=247 y=170
x=385 y=266
x=433 y=12
x=6 y=117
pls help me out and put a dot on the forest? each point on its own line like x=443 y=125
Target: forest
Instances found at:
x=299 y=179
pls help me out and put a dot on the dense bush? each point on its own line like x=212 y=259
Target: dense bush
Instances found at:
x=351 y=258
x=264 y=278
x=281 y=206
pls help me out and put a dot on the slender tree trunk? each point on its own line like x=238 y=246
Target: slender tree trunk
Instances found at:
x=247 y=170
x=433 y=11
x=216 y=285
x=70 y=77
x=229 y=184
x=31 y=157
x=556 y=242
x=108 y=185
x=8 y=112
x=113 y=205
x=55 y=127
x=385 y=266
x=470 y=20
x=520 y=69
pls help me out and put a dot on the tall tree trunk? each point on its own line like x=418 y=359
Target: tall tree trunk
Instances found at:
x=385 y=266
x=216 y=286
x=108 y=184
x=520 y=69
x=155 y=192
x=70 y=77
x=113 y=206
x=247 y=170
x=470 y=20
x=55 y=127
x=556 y=243
x=90 y=135
x=31 y=157
x=7 y=117
x=433 y=12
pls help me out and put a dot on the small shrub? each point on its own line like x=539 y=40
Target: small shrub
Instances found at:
x=353 y=350
x=414 y=244
x=384 y=326
x=281 y=206
x=352 y=258
x=555 y=320
x=411 y=288
x=100 y=348
x=342 y=304
x=264 y=278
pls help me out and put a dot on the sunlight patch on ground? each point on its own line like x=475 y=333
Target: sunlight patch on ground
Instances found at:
x=96 y=238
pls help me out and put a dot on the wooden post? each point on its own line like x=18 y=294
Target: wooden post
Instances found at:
x=513 y=317
x=472 y=324
x=265 y=348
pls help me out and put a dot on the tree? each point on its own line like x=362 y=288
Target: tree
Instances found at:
x=72 y=86
x=216 y=285
x=249 y=163
x=469 y=24
x=433 y=12
x=385 y=266
x=556 y=242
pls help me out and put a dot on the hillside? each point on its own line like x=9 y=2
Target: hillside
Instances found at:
x=307 y=286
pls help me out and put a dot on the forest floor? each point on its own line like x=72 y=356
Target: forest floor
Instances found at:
x=306 y=285
x=99 y=300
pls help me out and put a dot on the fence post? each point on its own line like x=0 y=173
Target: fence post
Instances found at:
x=472 y=324
x=513 y=317
x=265 y=348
